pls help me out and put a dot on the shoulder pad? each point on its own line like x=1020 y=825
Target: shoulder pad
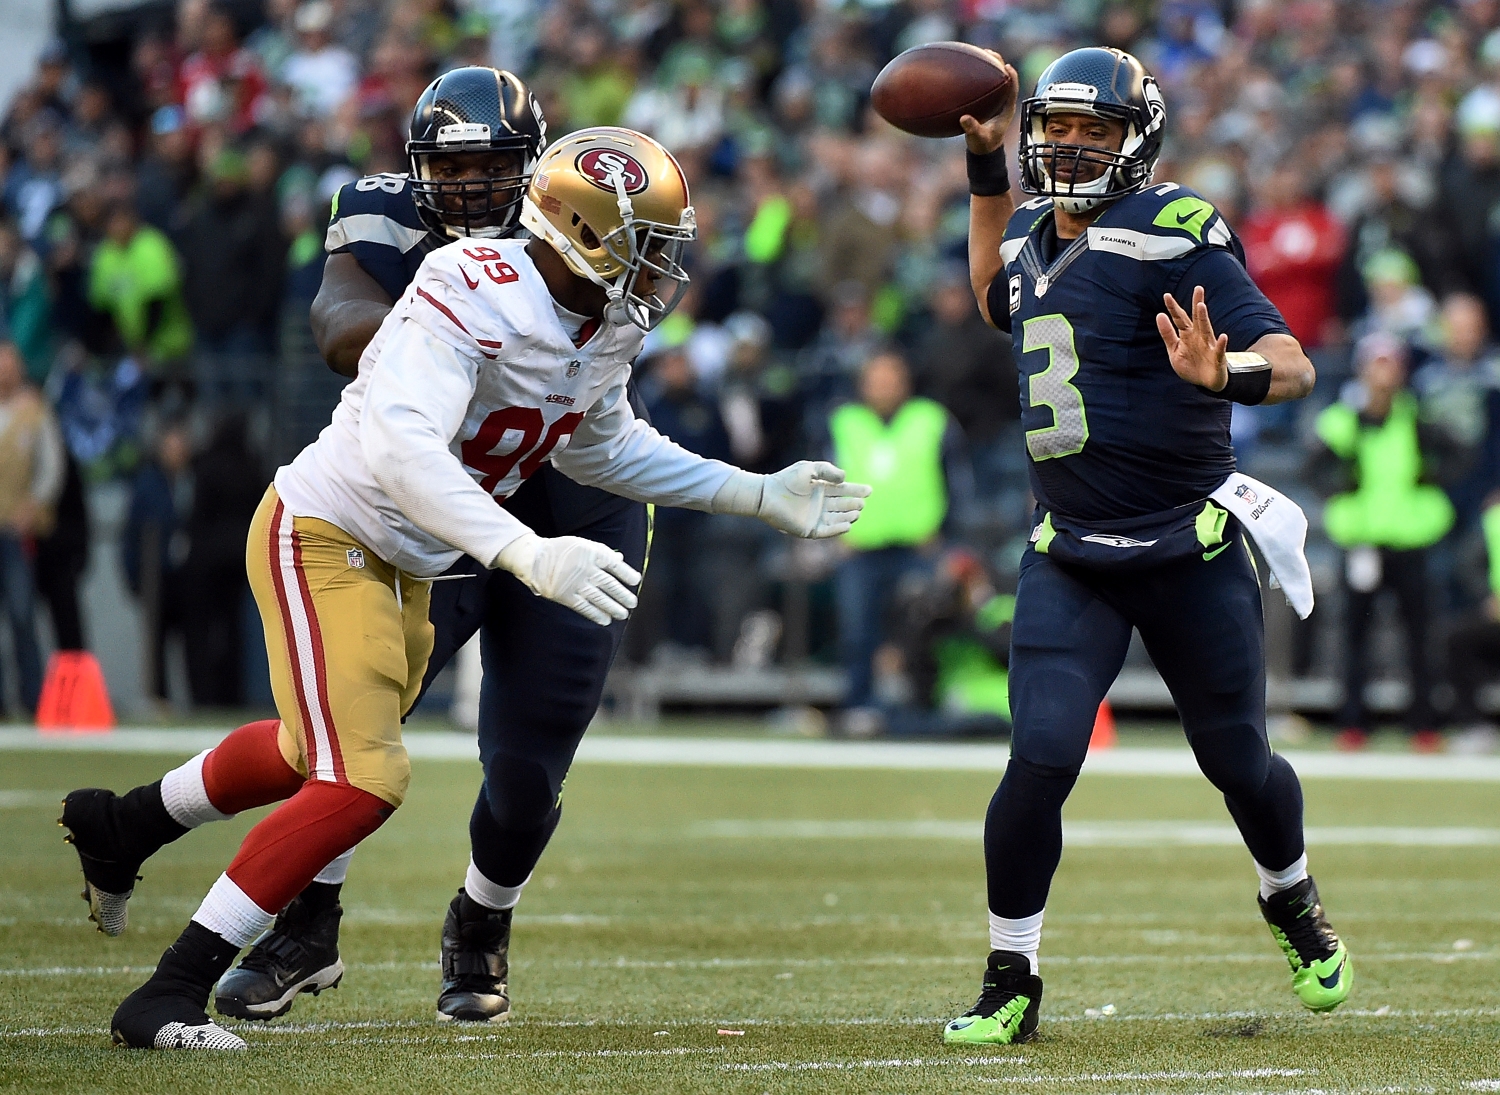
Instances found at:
x=1026 y=217
x=377 y=209
x=1172 y=213
x=470 y=294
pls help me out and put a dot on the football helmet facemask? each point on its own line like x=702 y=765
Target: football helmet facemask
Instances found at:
x=1104 y=83
x=474 y=110
x=615 y=205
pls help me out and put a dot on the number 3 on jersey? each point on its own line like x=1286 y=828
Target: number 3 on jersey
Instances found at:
x=1053 y=388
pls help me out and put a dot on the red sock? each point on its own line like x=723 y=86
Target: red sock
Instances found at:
x=247 y=769
x=282 y=854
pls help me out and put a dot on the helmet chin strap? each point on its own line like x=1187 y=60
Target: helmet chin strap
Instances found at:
x=616 y=312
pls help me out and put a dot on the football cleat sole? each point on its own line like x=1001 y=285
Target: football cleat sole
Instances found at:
x=474 y=1012
x=110 y=912
x=473 y=1017
x=181 y=1036
x=326 y=978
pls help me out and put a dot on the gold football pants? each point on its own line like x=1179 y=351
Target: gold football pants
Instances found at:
x=348 y=639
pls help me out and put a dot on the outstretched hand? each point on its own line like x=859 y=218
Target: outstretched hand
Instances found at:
x=1197 y=354
x=986 y=135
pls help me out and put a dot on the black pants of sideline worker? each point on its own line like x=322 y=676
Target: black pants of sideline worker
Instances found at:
x=1405 y=574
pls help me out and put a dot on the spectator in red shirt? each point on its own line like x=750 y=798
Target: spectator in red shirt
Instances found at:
x=221 y=82
x=1293 y=247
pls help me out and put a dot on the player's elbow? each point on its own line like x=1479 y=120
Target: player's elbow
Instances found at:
x=1302 y=376
x=979 y=284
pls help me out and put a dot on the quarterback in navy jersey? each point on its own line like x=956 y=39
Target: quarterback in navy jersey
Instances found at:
x=1134 y=326
x=476 y=134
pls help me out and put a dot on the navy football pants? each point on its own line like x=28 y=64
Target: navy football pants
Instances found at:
x=1201 y=623
x=544 y=670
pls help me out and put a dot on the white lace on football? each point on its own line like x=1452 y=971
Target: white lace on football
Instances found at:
x=108 y=910
x=205 y=1036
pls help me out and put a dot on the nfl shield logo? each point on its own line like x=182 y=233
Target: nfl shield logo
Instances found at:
x=573 y=367
x=1245 y=493
x=356 y=558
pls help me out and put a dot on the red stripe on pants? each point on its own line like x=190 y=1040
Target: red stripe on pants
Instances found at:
x=289 y=633
x=319 y=668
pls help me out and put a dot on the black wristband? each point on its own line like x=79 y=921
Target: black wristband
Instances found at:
x=1249 y=387
x=989 y=174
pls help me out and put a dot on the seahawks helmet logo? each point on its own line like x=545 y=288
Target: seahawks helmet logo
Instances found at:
x=601 y=166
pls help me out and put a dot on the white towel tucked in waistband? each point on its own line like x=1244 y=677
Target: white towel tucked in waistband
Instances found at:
x=1279 y=528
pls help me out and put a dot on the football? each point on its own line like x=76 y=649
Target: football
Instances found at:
x=927 y=89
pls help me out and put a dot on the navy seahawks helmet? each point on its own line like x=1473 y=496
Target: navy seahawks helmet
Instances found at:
x=474 y=109
x=1106 y=83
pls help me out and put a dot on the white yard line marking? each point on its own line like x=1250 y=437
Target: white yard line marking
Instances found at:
x=1096 y=834
x=895 y=1062
x=779 y=753
x=1118 y=1077
x=25 y=800
x=1268 y=958
x=680 y=1024
x=587 y=1055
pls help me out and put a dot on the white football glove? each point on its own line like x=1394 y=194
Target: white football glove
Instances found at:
x=589 y=578
x=809 y=499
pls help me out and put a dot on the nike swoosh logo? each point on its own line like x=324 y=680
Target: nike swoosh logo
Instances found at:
x=1208 y=556
x=465 y=273
x=1183 y=218
x=1333 y=978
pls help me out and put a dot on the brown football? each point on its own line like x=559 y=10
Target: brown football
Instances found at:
x=927 y=89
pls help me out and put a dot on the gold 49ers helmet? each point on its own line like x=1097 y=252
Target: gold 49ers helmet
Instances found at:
x=615 y=205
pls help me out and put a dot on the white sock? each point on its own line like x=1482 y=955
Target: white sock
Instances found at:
x=1022 y=936
x=1272 y=882
x=185 y=797
x=228 y=912
x=491 y=895
x=335 y=873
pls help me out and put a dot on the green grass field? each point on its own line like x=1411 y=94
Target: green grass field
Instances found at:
x=676 y=903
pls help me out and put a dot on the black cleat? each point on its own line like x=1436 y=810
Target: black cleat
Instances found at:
x=167 y=1011
x=476 y=962
x=110 y=866
x=299 y=954
x=1009 y=1006
x=156 y=1016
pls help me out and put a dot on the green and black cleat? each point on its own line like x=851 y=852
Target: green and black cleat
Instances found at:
x=1009 y=1006
x=1322 y=972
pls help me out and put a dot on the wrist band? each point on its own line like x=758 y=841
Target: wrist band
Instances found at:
x=1249 y=379
x=989 y=174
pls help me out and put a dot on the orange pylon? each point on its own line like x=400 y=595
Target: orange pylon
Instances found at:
x=1104 y=736
x=73 y=694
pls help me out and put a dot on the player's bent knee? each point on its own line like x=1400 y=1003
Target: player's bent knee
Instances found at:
x=520 y=794
x=386 y=776
x=1236 y=759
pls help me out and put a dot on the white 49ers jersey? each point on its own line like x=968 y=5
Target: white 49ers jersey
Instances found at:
x=468 y=386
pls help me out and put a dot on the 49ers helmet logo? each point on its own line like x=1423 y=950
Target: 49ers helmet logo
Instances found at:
x=600 y=166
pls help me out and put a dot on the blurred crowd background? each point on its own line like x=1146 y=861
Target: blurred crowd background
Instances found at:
x=166 y=174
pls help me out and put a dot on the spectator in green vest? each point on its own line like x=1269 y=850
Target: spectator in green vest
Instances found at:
x=1474 y=651
x=1387 y=517
x=911 y=452
x=135 y=277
